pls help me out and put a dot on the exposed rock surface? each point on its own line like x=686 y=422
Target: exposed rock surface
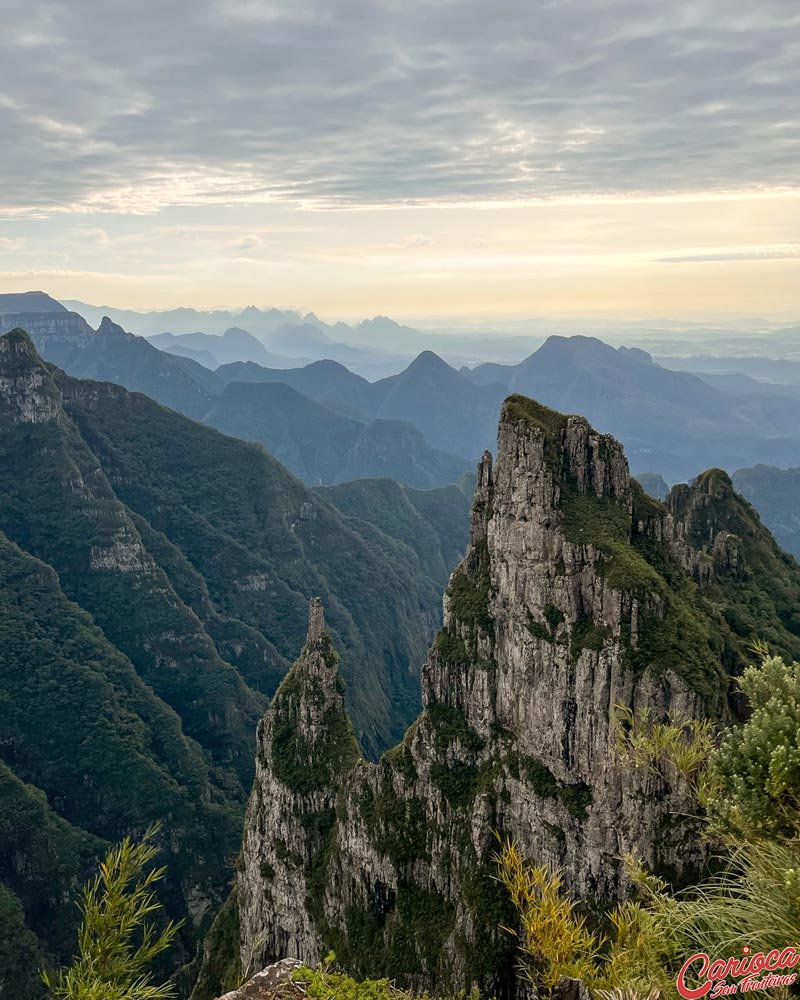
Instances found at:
x=578 y=593
x=270 y=984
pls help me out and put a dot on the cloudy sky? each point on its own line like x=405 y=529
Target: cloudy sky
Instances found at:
x=628 y=158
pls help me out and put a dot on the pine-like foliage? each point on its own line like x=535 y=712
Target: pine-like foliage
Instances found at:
x=117 y=940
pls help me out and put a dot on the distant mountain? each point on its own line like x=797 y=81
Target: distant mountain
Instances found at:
x=112 y=355
x=317 y=444
x=66 y=333
x=770 y=370
x=323 y=446
x=235 y=345
x=29 y=302
x=306 y=339
x=154 y=579
x=204 y=358
x=670 y=422
x=446 y=406
x=327 y=382
x=451 y=411
x=147 y=324
x=775 y=493
x=653 y=485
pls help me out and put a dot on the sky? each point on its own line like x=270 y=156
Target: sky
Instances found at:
x=590 y=158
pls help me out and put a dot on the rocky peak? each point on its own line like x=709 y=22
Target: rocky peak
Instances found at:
x=576 y=595
x=108 y=328
x=707 y=524
x=305 y=746
x=27 y=392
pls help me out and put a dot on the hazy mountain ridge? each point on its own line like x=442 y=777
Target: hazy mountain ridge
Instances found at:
x=323 y=446
x=672 y=423
x=775 y=493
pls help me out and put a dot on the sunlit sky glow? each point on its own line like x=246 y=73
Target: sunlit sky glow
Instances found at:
x=597 y=158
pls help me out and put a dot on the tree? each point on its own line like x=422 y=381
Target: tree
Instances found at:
x=117 y=941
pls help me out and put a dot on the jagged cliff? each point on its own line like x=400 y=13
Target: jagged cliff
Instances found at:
x=578 y=593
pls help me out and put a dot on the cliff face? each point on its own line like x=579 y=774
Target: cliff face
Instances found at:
x=578 y=593
x=60 y=335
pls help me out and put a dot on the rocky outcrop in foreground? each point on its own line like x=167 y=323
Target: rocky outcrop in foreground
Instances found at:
x=578 y=593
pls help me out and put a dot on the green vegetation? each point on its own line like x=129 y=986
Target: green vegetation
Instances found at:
x=221 y=969
x=20 y=956
x=451 y=648
x=118 y=940
x=751 y=786
x=301 y=766
x=397 y=827
x=601 y=522
x=154 y=580
x=587 y=634
x=327 y=982
x=469 y=591
x=575 y=798
x=264 y=544
x=756 y=771
x=551 y=424
x=434 y=524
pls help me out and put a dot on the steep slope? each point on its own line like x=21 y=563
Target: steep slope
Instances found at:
x=578 y=593
x=433 y=523
x=117 y=356
x=775 y=493
x=154 y=576
x=670 y=422
x=323 y=446
x=112 y=355
x=452 y=412
x=80 y=727
x=56 y=503
x=262 y=543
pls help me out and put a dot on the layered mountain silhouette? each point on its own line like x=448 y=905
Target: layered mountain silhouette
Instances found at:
x=322 y=445
x=234 y=345
x=319 y=445
x=672 y=423
x=452 y=412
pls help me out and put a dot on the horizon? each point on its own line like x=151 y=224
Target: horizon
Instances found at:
x=435 y=163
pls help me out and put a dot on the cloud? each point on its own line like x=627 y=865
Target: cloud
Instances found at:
x=789 y=252
x=115 y=108
x=418 y=240
x=251 y=242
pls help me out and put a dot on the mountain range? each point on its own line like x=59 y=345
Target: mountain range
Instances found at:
x=322 y=445
x=672 y=423
x=154 y=578
x=233 y=345
x=775 y=493
x=450 y=411
x=364 y=447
